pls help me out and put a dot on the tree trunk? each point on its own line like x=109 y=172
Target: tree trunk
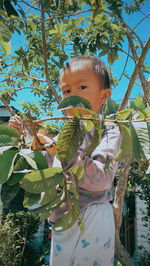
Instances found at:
x=120 y=252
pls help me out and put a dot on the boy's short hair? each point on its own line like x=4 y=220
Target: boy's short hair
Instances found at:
x=91 y=62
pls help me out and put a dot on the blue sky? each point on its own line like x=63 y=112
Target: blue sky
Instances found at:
x=119 y=91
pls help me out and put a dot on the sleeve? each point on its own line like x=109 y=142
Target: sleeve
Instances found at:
x=100 y=167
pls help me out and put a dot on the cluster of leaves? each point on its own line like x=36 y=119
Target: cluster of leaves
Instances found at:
x=50 y=187
x=16 y=232
x=99 y=30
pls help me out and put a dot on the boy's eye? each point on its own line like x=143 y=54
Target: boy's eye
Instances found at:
x=83 y=87
x=66 y=91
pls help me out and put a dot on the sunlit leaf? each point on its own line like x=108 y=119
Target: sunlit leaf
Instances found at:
x=69 y=140
x=122 y=115
x=77 y=171
x=7 y=159
x=42 y=180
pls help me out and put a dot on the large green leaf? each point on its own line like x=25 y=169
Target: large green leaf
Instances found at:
x=126 y=143
x=143 y=133
x=138 y=152
x=96 y=138
x=42 y=180
x=7 y=159
x=74 y=101
x=46 y=210
x=72 y=187
x=9 y=131
x=69 y=140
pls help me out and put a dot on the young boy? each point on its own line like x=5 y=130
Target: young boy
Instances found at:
x=88 y=77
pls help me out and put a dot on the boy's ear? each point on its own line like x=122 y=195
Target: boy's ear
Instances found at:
x=106 y=94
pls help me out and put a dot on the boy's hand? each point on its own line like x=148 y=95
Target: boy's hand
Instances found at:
x=44 y=139
x=16 y=122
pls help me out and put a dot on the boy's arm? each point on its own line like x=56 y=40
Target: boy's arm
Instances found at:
x=100 y=167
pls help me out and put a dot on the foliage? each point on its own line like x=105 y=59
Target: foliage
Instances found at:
x=16 y=232
x=49 y=187
x=63 y=31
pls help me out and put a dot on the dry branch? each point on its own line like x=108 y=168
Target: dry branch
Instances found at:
x=135 y=72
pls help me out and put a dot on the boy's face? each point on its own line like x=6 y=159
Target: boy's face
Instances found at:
x=84 y=83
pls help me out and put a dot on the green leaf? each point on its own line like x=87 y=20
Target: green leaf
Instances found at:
x=74 y=101
x=8 y=193
x=122 y=115
x=9 y=131
x=32 y=25
x=31 y=199
x=87 y=124
x=65 y=222
x=72 y=187
x=7 y=159
x=77 y=171
x=15 y=178
x=46 y=210
x=126 y=143
x=112 y=57
x=136 y=146
x=96 y=138
x=139 y=103
x=69 y=140
x=110 y=107
x=4 y=32
x=142 y=130
x=39 y=159
x=21 y=164
x=5 y=45
x=8 y=141
x=29 y=160
x=43 y=180
x=48 y=196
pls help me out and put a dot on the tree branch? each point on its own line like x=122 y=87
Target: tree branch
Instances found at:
x=7 y=106
x=45 y=56
x=135 y=72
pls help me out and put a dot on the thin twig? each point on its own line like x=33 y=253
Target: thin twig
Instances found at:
x=90 y=118
x=141 y=20
x=135 y=72
x=45 y=56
